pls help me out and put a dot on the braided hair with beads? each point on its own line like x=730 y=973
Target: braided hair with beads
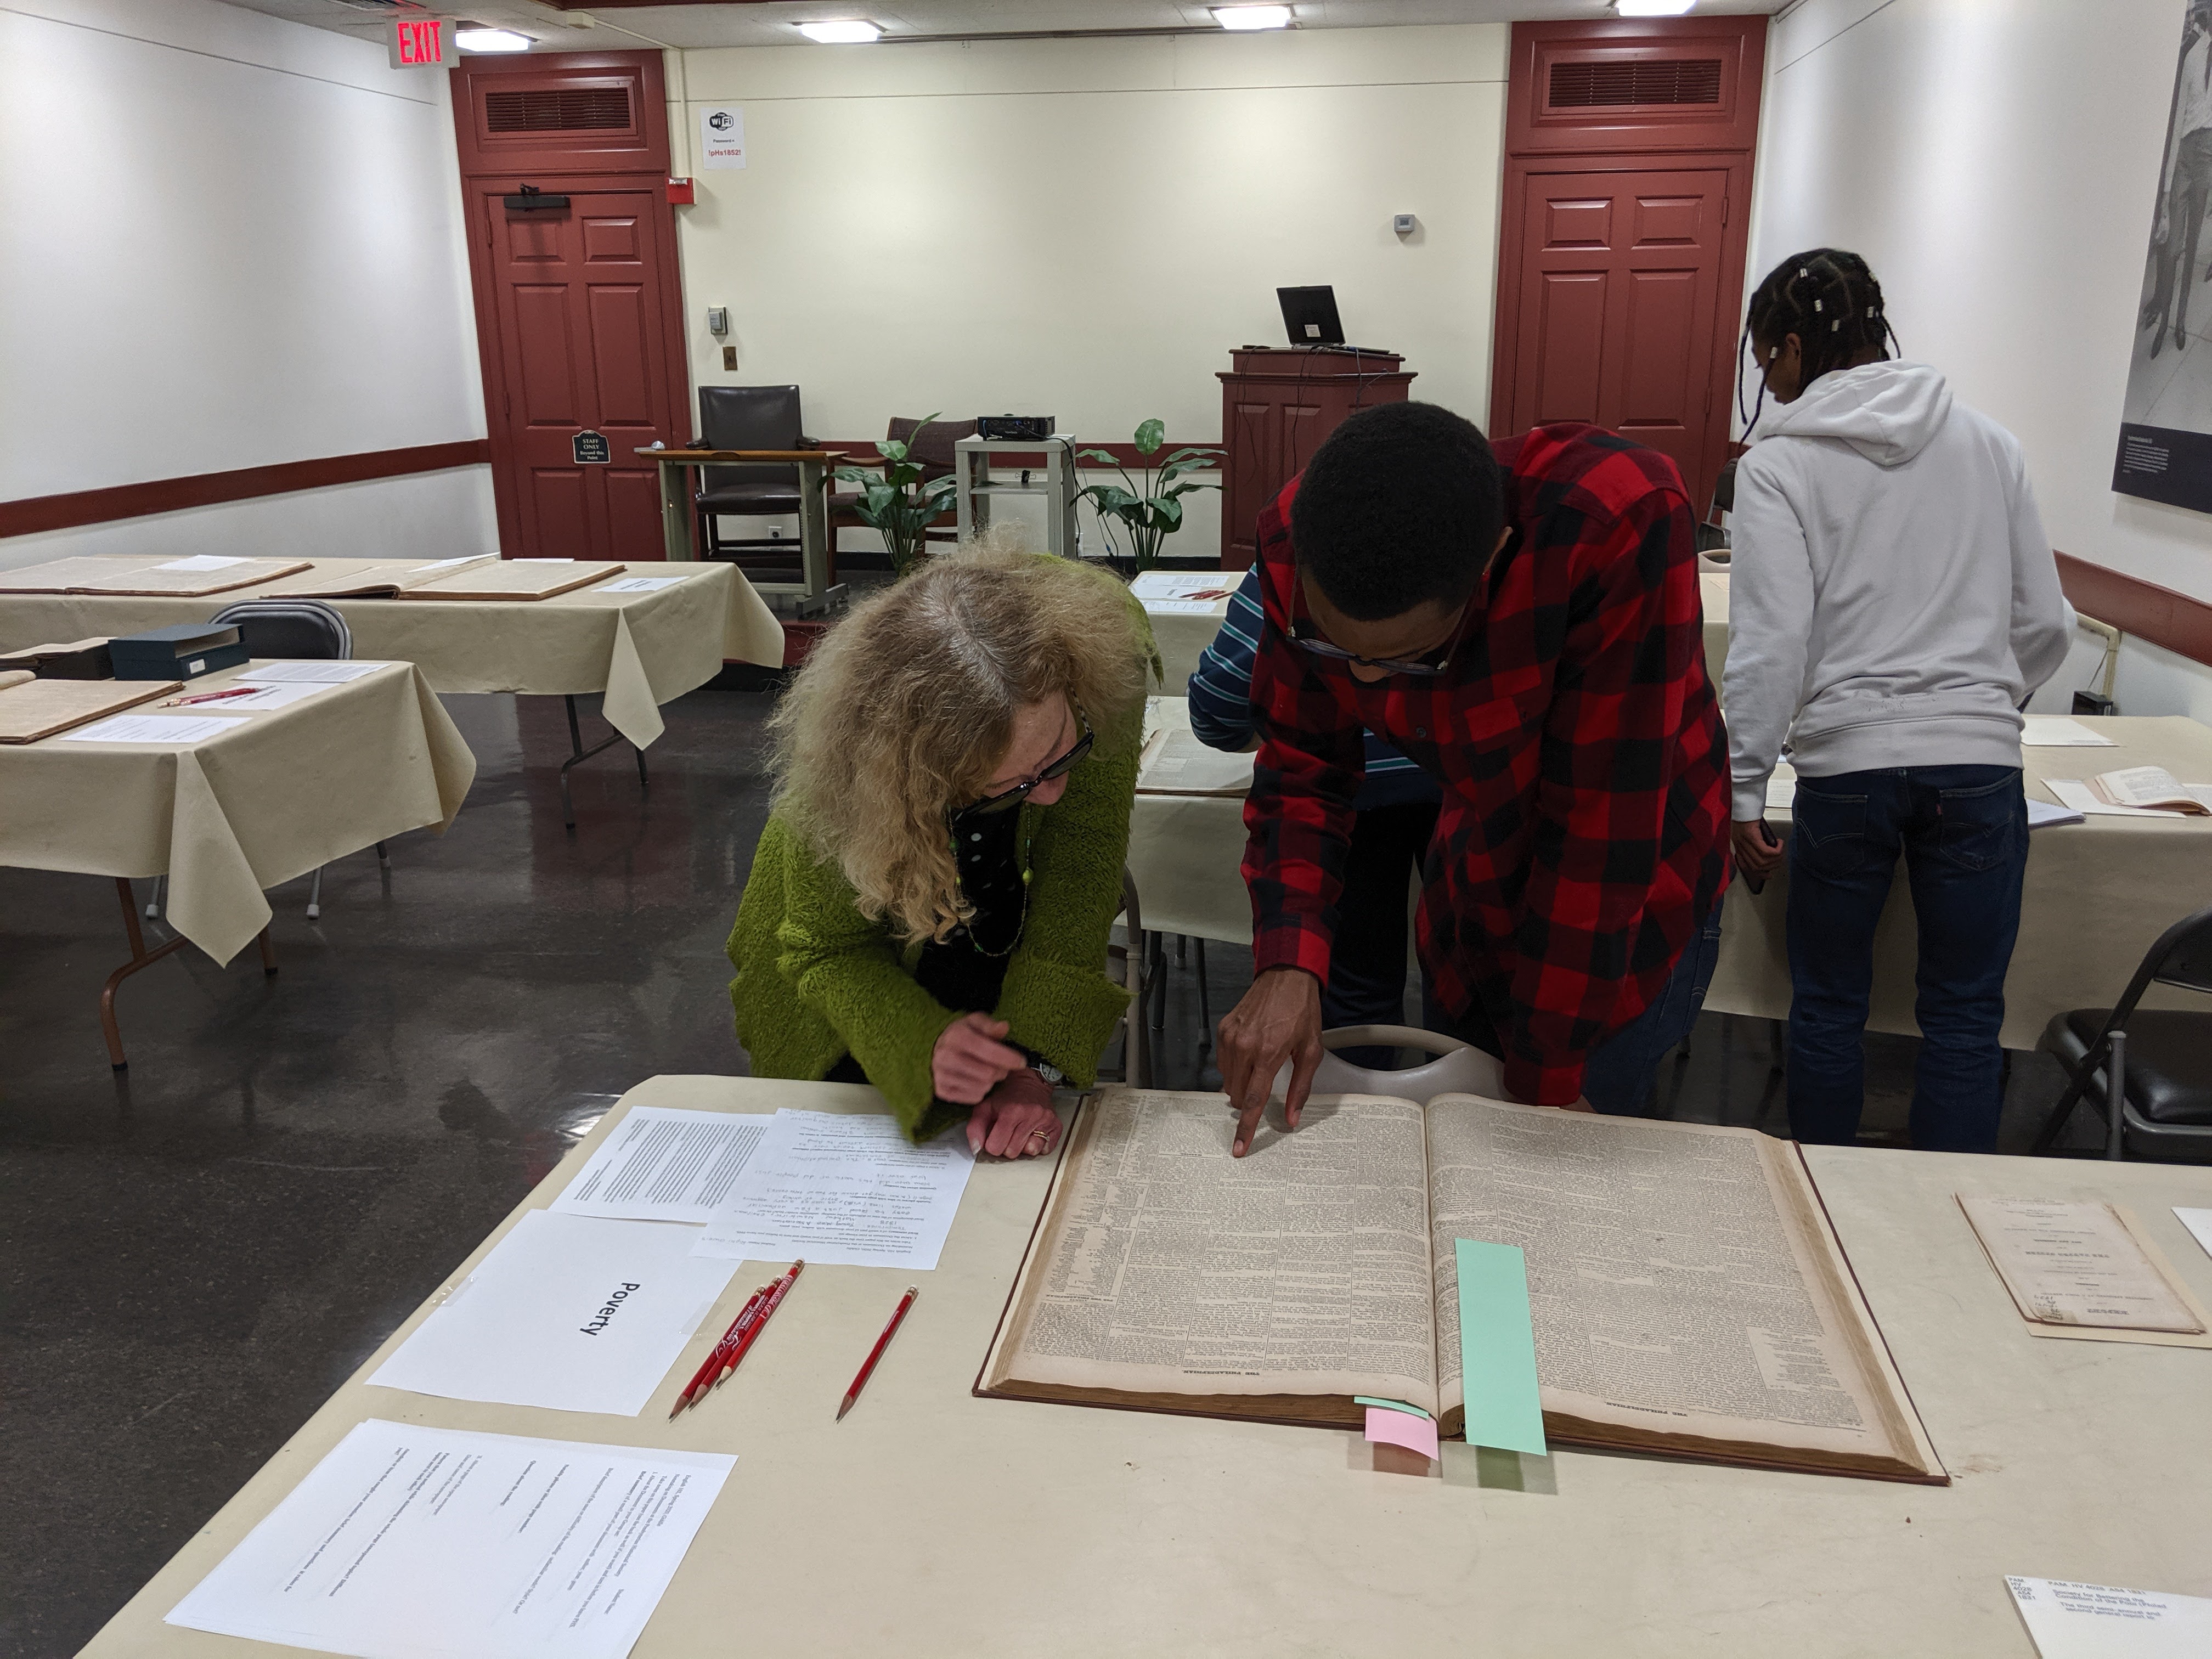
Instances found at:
x=1830 y=300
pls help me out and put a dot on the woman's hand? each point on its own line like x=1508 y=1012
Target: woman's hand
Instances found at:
x=1016 y=1119
x=970 y=1060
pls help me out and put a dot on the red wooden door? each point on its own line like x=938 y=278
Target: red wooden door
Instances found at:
x=1620 y=285
x=579 y=300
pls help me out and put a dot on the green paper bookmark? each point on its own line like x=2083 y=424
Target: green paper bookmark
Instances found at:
x=1497 y=1349
x=1388 y=1405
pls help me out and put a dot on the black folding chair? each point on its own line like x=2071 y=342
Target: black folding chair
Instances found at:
x=2148 y=1070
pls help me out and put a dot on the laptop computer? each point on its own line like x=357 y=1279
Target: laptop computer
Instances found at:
x=1310 y=318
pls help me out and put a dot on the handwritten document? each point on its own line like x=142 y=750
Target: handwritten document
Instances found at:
x=843 y=1189
x=2075 y=1264
x=407 y=1542
x=567 y=1312
x=2101 y=1621
x=663 y=1164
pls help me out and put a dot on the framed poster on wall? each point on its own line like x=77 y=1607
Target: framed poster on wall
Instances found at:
x=2166 y=421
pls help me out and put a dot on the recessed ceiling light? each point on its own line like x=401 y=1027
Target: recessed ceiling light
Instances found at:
x=479 y=38
x=1252 y=17
x=847 y=32
x=1652 y=7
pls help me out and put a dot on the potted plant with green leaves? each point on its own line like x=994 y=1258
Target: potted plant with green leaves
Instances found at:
x=1150 y=512
x=898 y=502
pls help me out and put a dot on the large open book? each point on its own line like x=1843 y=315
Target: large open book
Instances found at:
x=190 y=577
x=1688 y=1294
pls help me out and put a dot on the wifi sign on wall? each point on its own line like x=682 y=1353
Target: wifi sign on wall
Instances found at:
x=416 y=42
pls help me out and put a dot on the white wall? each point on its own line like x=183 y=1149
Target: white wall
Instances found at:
x=1086 y=228
x=228 y=240
x=1995 y=160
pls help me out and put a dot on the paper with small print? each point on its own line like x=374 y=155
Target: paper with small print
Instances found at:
x=408 y=1542
x=152 y=728
x=280 y=696
x=2068 y=1621
x=660 y=1164
x=202 y=562
x=641 y=584
x=2056 y=731
x=843 y=1189
x=566 y=1312
x=1209 y=585
x=306 y=673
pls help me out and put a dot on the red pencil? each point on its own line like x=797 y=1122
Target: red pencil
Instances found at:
x=877 y=1352
x=777 y=1292
x=696 y=1386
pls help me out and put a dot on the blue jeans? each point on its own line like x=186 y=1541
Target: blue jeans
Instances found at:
x=1963 y=832
x=1621 y=1075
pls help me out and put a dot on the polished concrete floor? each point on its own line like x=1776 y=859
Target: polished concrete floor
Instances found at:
x=198 y=1250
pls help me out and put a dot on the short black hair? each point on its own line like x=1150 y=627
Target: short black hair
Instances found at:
x=1401 y=503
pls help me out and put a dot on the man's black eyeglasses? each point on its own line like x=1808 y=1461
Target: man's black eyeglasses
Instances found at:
x=1303 y=636
x=1053 y=768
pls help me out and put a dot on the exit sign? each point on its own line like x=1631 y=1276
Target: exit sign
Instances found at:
x=418 y=42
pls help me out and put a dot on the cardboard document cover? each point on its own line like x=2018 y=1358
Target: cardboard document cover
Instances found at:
x=1690 y=1296
x=177 y=579
x=40 y=709
x=385 y=582
x=79 y=659
x=517 y=579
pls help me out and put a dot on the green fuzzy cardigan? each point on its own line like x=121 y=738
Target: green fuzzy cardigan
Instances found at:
x=817 y=980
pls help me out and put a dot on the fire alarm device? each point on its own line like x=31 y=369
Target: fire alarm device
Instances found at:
x=681 y=192
x=717 y=319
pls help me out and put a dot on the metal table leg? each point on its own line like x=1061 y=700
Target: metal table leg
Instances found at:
x=578 y=754
x=141 y=958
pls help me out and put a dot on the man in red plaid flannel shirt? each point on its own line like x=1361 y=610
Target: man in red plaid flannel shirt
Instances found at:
x=1526 y=624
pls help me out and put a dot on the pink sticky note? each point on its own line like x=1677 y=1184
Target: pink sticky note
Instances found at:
x=1403 y=1429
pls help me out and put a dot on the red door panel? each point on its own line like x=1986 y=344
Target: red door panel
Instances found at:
x=1619 y=287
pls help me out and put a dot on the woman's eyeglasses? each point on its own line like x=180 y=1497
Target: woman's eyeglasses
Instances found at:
x=1054 y=769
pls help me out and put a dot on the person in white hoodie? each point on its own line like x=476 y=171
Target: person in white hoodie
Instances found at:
x=1892 y=602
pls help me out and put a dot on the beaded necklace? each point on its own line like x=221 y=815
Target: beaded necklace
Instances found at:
x=960 y=887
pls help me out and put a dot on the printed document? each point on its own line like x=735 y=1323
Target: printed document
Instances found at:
x=2075 y=1264
x=304 y=672
x=2056 y=731
x=280 y=696
x=2100 y=1621
x=152 y=728
x=663 y=1164
x=641 y=584
x=202 y=562
x=2199 y=1223
x=843 y=1189
x=1209 y=587
x=566 y=1312
x=408 y=1542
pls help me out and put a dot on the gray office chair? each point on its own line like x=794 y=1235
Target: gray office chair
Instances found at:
x=747 y=417
x=305 y=630
x=2148 y=1070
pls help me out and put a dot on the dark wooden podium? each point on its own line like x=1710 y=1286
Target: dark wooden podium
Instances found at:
x=1277 y=403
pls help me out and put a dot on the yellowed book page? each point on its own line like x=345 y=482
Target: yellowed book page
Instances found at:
x=2152 y=786
x=1177 y=763
x=1166 y=1266
x=384 y=581
x=194 y=576
x=2075 y=1264
x=1680 y=1280
x=517 y=579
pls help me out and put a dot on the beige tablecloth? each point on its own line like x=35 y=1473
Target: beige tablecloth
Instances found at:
x=1185 y=851
x=641 y=649
x=1181 y=638
x=1714 y=589
x=2097 y=893
x=263 y=803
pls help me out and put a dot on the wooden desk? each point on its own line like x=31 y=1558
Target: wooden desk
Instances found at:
x=812 y=592
x=931 y=1522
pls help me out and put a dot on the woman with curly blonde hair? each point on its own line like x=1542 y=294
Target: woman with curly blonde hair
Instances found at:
x=929 y=903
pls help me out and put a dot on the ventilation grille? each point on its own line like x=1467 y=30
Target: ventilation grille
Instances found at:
x=558 y=109
x=1641 y=83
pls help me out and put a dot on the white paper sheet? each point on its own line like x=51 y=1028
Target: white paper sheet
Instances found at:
x=2199 y=1223
x=151 y=728
x=200 y=561
x=407 y=1542
x=839 y=1189
x=2056 y=731
x=2042 y=814
x=273 y=696
x=448 y=564
x=663 y=1164
x=640 y=585
x=303 y=673
x=2098 y=1621
x=567 y=1312
x=1182 y=584
x=1185 y=607
x=1781 y=786
x=2082 y=798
